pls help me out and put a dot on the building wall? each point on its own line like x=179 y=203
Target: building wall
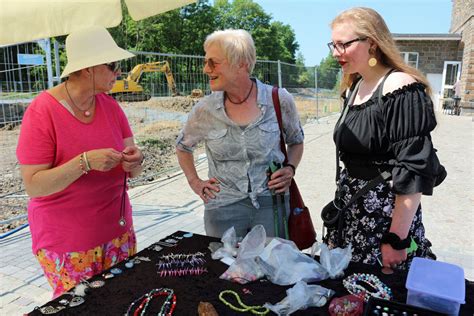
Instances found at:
x=462 y=22
x=462 y=11
x=432 y=54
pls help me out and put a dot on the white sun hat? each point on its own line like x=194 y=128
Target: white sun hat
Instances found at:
x=89 y=47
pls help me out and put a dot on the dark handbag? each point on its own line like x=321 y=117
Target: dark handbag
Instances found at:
x=300 y=225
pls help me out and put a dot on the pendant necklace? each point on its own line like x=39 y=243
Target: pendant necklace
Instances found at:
x=122 y=221
x=86 y=112
x=245 y=99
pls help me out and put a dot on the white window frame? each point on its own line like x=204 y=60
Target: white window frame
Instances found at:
x=458 y=75
x=406 y=55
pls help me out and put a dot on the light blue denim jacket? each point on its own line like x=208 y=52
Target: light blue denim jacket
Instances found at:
x=239 y=156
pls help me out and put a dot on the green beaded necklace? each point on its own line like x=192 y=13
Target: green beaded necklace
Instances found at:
x=257 y=310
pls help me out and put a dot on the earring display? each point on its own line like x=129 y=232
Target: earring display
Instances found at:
x=181 y=264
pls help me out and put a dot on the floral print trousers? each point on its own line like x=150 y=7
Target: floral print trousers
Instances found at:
x=64 y=271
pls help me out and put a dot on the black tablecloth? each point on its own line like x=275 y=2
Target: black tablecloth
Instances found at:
x=115 y=297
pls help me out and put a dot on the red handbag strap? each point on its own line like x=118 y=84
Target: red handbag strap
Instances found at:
x=276 y=104
x=295 y=195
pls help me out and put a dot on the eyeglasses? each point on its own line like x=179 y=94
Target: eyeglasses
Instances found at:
x=341 y=47
x=211 y=63
x=113 y=66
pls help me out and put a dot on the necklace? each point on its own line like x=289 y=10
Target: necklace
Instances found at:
x=166 y=309
x=353 y=284
x=245 y=99
x=86 y=113
x=122 y=221
x=257 y=310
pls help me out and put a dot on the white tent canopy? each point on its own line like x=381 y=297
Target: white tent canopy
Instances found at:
x=28 y=20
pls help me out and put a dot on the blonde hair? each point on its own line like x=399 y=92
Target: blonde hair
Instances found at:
x=368 y=23
x=238 y=46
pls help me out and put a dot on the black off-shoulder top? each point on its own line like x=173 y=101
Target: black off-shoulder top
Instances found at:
x=396 y=132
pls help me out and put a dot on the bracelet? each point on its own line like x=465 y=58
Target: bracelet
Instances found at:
x=395 y=242
x=83 y=164
x=86 y=161
x=291 y=166
x=380 y=289
x=257 y=310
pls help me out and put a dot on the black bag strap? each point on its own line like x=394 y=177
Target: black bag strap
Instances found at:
x=340 y=123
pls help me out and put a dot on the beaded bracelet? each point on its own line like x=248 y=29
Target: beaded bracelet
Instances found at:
x=381 y=290
x=257 y=310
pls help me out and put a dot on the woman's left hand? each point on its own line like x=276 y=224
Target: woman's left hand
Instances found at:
x=132 y=158
x=391 y=258
x=280 y=180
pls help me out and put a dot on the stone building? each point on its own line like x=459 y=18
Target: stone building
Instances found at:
x=462 y=23
x=446 y=58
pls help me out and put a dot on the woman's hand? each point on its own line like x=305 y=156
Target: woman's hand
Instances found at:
x=391 y=258
x=103 y=159
x=132 y=158
x=280 y=180
x=205 y=189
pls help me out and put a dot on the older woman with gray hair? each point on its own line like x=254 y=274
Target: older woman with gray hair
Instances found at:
x=239 y=127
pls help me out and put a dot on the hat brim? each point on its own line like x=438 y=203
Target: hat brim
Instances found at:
x=108 y=56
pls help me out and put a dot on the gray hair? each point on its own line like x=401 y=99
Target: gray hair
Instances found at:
x=238 y=46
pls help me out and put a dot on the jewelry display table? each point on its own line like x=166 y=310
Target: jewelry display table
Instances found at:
x=199 y=282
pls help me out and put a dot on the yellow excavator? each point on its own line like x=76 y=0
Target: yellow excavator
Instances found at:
x=130 y=90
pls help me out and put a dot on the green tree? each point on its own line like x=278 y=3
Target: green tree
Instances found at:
x=328 y=72
x=273 y=40
x=306 y=75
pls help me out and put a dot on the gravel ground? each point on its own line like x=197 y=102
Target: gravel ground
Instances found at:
x=154 y=132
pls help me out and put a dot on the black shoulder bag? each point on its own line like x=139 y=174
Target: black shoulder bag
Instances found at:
x=333 y=213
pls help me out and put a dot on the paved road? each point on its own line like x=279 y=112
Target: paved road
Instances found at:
x=168 y=205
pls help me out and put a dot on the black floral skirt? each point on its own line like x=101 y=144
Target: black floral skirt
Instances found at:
x=369 y=218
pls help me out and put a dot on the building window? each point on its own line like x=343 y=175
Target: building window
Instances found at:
x=411 y=58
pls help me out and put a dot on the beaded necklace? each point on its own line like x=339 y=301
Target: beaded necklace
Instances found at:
x=166 y=309
x=352 y=286
x=257 y=310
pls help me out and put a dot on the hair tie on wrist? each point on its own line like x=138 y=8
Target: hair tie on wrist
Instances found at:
x=291 y=166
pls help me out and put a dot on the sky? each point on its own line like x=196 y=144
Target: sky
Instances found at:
x=310 y=19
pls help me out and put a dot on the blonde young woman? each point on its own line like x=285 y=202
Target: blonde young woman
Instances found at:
x=238 y=125
x=391 y=133
x=76 y=150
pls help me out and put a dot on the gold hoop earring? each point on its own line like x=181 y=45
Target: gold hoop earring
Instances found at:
x=372 y=61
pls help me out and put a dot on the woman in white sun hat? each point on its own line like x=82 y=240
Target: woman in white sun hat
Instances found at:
x=76 y=150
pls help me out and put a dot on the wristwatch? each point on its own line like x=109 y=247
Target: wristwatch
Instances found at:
x=393 y=240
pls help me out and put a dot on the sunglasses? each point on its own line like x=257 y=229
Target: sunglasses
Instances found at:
x=341 y=47
x=113 y=66
x=211 y=63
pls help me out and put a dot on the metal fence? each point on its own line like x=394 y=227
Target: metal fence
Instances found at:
x=21 y=81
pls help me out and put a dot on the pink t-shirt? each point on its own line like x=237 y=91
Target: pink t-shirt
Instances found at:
x=87 y=212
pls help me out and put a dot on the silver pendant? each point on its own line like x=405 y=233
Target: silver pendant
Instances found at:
x=96 y=284
x=122 y=222
x=87 y=113
x=76 y=301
